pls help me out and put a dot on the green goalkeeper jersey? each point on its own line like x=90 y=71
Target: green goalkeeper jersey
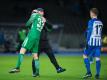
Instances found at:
x=36 y=25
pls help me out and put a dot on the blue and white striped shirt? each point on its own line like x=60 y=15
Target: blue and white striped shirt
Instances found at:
x=94 y=32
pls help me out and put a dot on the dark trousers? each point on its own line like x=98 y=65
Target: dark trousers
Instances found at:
x=44 y=46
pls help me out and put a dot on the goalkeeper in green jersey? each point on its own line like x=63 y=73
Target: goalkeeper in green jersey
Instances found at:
x=31 y=42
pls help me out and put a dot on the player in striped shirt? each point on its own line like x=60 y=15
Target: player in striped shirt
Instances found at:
x=94 y=34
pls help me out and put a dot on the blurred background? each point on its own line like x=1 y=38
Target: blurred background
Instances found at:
x=68 y=17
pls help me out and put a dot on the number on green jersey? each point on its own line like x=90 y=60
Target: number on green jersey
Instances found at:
x=40 y=24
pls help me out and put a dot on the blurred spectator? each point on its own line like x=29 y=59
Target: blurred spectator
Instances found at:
x=105 y=40
x=2 y=39
x=20 y=38
x=104 y=48
x=4 y=42
x=7 y=46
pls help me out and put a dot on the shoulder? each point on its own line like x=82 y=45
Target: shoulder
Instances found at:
x=98 y=21
x=90 y=22
x=35 y=14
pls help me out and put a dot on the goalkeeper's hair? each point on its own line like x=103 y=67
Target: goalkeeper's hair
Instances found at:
x=95 y=11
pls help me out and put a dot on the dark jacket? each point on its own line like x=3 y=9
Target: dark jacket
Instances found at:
x=47 y=28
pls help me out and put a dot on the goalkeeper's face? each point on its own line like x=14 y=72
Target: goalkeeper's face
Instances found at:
x=41 y=12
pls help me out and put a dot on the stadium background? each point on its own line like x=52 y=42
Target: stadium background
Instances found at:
x=69 y=19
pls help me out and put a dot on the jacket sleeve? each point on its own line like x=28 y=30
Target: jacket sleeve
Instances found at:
x=49 y=26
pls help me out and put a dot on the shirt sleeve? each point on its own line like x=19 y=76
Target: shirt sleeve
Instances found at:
x=31 y=19
x=90 y=25
x=89 y=29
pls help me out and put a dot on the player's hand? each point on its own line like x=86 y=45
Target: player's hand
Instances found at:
x=44 y=19
x=34 y=11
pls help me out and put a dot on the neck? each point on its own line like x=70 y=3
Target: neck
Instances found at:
x=94 y=17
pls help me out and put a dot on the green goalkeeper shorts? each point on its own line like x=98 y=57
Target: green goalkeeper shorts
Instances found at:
x=31 y=44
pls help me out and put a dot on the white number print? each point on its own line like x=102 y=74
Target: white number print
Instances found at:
x=40 y=24
x=97 y=29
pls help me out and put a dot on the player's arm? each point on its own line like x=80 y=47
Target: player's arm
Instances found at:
x=85 y=33
x=31 y=19
x=48 y=26
x=89 y=29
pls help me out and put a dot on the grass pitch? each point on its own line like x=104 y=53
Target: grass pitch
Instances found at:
x=73 y=64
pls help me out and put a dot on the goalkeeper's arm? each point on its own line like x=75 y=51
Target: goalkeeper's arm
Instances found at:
x=32 y=17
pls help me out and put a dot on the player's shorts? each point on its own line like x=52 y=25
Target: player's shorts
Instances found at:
x=31 y=44
x=93 y=50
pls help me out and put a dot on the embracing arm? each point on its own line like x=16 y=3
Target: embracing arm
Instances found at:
x=31 y=19
x=49 y=26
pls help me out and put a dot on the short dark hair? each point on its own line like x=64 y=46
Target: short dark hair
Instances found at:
x=40 y=9
x=95 y=11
